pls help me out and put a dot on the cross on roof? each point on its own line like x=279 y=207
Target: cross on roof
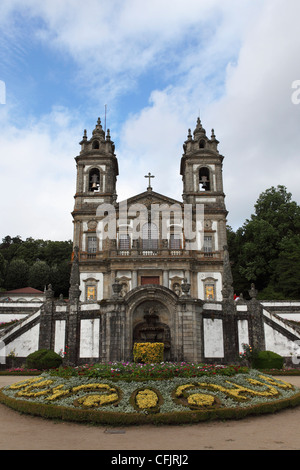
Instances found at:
x=149 y=176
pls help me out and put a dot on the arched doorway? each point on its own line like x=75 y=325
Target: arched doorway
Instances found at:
x=150 y=325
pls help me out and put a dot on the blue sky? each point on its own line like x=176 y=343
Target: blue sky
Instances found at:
x=156 y=65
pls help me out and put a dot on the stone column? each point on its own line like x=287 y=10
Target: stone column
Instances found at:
x=73 y=321
x=166 y=278
x=189 y=345
x=230 y=327
x=46 y=338
x=134 y=279
x=256 y=322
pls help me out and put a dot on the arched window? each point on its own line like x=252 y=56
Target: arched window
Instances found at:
x=149 y=237
x=94 y=180
x=95 y=144
x=204 y=180
x=202 y=144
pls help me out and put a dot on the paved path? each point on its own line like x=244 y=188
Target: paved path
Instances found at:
x=278 y=431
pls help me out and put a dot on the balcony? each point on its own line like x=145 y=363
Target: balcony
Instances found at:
x=157 y=253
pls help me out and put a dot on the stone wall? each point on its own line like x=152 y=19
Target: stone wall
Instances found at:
x=199 y=331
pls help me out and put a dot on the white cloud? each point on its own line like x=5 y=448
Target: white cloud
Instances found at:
x=234 y=61
x=38 y=177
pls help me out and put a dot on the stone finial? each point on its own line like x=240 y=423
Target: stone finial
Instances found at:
x=253 y=291
x=199 y=131
x=98 y=129
x=49 y=292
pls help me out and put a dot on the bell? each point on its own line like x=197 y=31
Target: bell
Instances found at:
x=94 y=181
x=203 y=181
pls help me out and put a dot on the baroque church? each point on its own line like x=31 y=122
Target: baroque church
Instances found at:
x=150 y=269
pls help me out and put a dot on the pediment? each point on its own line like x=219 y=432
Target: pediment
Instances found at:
x=150 y=197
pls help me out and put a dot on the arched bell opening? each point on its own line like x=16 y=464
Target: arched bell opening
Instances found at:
x=94 y=180
x=204 y=179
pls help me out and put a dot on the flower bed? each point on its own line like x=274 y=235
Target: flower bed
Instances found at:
x=162 y=401
x=138 y=371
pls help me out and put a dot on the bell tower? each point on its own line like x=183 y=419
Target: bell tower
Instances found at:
x=97 y=171
x=201 y=169
x=202 y=175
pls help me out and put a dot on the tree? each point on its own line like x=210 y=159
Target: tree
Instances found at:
x=257 y=249
x=60 y=278
x=39 y=275
x=287 y=274
x=17 y=274
x=46 y=260
x=3 y=265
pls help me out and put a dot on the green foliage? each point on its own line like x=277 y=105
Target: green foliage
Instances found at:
x=136 y=371
x=248 y=355
x=268 y=360
x=17 y=274
x=39 y=275
x=43 y=359
x=266 y=249
x=43 y=262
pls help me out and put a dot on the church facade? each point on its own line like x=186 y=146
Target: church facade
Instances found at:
x=157 y=257
x=150 y=269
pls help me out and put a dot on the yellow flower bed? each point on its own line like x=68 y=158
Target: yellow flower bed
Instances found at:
x=94 y=386
x=97 y=400
x=148 y=352
x=182 y=388
x=277 y=382
x=201 y=400
x=25 y=383
x=239 y=392
x=146 y=399
x=28 y=390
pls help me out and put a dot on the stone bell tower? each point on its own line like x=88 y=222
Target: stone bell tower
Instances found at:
x=201 y=170
x=97 y=171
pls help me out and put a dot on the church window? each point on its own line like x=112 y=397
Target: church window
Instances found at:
x=202 y=144
x=92 y=244
x=95 y=144
x=204 y=182
x=175 y=241
x=124 y=241
x=94 y=180
x=207 y=245
x=149 y=237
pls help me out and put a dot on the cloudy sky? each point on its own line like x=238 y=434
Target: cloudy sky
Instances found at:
x=156 y=65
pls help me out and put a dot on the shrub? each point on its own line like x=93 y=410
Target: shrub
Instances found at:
x=43 y=359
x=148 y=352
x=268 y=360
